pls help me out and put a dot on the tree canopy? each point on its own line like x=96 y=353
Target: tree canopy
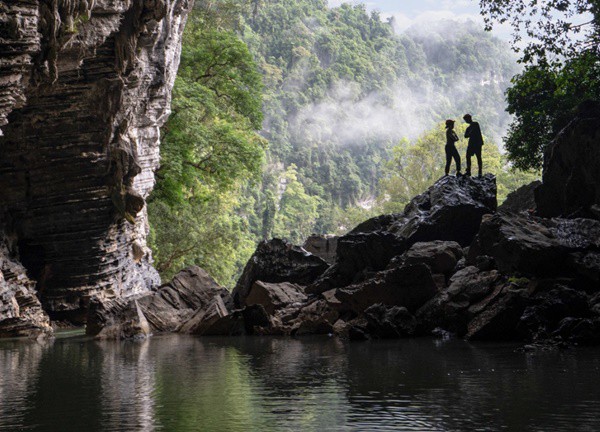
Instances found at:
x=559 y=41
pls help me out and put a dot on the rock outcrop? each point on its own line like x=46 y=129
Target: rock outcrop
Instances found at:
x=324 y=247
x=521 y=200
x=450 y=210
x=571 y=176
x=84 y=88
x=21 y=313
x=278 y=261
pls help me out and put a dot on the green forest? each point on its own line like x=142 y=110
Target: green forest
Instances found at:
x=291 y=118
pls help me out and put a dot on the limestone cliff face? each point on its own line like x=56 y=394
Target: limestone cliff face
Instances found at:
x=84 y=87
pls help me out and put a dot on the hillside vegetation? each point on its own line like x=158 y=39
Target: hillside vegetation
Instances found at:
x=291 y=118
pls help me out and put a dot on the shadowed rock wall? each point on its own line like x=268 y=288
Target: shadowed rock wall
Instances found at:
x=84 y=89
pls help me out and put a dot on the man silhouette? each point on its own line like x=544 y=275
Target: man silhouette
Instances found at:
x=473 y=132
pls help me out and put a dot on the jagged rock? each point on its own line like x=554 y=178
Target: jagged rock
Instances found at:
x=409 y=286
x=390 y=322
x=277 y=261
x=165 y=309
x=315 y=318
x=215 y=320
x=571 y=174
x=324 y=246
x=531 y=246
x=118 y=319
x=548 y=307
x=275 y=296
x=587 y=265
x=85 y=86
x=358 y=256
x=21 y=313
x=501 y=318
x=579 y=330
x=521 y=200
x=449 y=210
x=256 y=319
x=440 y=256
x=469 y=293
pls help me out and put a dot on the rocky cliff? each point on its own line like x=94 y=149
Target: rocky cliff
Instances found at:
x=84 y=87
x=451 y=264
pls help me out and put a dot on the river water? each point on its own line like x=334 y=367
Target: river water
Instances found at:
x=183 y=383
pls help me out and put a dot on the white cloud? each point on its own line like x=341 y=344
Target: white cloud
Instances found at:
x=402 y=21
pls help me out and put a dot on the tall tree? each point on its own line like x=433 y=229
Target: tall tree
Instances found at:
x=559 y=41
x=210 y=150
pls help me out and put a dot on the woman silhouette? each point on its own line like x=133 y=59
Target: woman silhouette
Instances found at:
x=451 y=151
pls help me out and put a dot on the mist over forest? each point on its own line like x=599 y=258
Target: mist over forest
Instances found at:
x=344 y=107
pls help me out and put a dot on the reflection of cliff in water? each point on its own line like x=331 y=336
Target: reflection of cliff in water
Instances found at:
x=180 y=383
x=128 y=381
x=19 y=366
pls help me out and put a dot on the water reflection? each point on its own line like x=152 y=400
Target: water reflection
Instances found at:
x=176 y=383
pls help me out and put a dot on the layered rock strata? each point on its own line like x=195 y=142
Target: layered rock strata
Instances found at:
x=84 y=87
x=21 y=313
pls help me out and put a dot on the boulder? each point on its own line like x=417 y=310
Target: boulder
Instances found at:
x=390 y=321
x=571 y=173
x=500 y=319
x=439 y=256
x=165 y=309
x=409 y=286
x=525 y=245
x=470 y=292
x=315 y=317
x=273 y=296
x=579 y=330
x=323 y=246
x=549 y=306
x=521 y=200
x=119 y=319
x=277 y=261
x=449 y=210
x=256 y=319
x=358 y=255
x=214 y=320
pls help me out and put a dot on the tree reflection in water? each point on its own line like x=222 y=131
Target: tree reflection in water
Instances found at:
x=178 y=383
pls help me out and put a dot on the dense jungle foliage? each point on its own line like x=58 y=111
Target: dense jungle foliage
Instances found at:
x=559 y=44
x=291 y=118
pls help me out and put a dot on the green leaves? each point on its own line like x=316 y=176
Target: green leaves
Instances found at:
x=543 y=99
x=210 y=151
x=554 y=30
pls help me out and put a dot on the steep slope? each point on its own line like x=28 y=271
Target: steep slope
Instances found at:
x=85 y=87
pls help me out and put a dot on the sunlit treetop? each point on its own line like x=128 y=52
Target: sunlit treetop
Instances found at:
x=547 y=30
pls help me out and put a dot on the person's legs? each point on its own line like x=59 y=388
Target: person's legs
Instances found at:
x=456 y=156
x=469 y=154
x=479 y=162
x=448 y=158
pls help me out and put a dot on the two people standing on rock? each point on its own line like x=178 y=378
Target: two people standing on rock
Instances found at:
x=473 y=133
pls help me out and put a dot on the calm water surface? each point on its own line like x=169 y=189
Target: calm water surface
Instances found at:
x=179 y=383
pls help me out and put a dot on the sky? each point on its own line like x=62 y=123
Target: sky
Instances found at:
x=415 y=12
